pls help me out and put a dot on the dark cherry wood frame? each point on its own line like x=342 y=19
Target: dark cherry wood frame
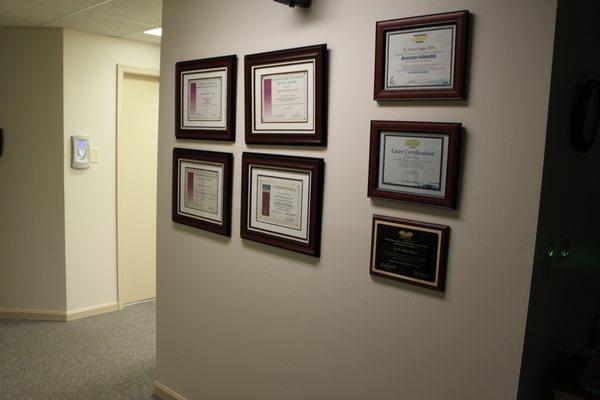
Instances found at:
x=443 y=243
x=205 y=156
x=317 y=167
x=319 y=54
x=230 y=62
x=453 y=130
x=460 y=19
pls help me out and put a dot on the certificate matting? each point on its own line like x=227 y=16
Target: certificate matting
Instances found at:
x=279 y=201
x=409 y=251
x=282 y=201
x=205 y=99
x=280 y=106
x=202 y=189
x=421 y=57
x=284 y=97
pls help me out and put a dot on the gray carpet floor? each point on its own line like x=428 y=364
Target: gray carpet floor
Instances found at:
x=111 y=356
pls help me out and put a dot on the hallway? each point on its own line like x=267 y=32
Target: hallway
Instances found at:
x=110 y=356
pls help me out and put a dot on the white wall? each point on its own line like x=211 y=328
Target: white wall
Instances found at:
x=237 y=319
x=90 y=76
x=32 y=243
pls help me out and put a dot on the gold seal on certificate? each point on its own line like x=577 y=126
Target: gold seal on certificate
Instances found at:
x=202 y=189
x=205 y=90
x=281 y=201
x=285 y=96
x=414 y=162
x=421 y=57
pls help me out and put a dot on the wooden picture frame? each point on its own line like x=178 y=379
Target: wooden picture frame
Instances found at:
x=282 y=201
x=421 y=57
x=295 y=76
x=415 y=162
x=409 y=251
x=205 y=200
x=205 y=98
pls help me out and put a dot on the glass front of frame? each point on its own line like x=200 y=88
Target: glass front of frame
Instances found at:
x=204 y=99
x=406 y=252
x=413 y=163
x=283 y=98
x=422 y=58
x=279 y=202
x=200 y=190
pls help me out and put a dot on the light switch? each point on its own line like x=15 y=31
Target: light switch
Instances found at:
x=94 y=155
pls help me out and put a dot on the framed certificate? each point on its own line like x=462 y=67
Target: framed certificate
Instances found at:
x=282 y=201
x=421 y=57
x=409 y=251
x=414 y=162
x=202 y=189
x=285 y=96
x=205 y=98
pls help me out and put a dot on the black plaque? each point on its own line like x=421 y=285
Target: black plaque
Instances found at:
x=409 y=251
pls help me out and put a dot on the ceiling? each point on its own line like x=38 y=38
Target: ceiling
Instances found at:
x=121 y=18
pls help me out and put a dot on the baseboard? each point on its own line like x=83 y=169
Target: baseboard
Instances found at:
x=91 y=311
x=51 y=315
x=164 y=393
x=40 y=315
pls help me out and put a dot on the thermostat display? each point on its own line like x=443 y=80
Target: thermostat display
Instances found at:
x=81 y=150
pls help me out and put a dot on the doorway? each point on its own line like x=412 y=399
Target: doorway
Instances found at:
x=137 y=143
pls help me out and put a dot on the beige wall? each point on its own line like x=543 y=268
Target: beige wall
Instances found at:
x=237 y=319
x=90 y=76
x=32 y=243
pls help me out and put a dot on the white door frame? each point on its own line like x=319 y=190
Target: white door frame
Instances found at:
x=121 y=71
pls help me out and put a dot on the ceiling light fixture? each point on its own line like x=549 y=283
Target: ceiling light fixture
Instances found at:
x=154 y=32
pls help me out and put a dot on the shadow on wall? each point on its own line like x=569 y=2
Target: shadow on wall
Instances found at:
x=565 y=291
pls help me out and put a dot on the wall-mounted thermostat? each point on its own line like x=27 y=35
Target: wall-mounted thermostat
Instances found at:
x=80 y=154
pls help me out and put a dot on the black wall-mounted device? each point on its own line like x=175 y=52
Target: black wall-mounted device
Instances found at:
x=294 y=3
x=1 y=141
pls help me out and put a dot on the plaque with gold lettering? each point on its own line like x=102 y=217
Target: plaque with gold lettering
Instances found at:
x=409 y=251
